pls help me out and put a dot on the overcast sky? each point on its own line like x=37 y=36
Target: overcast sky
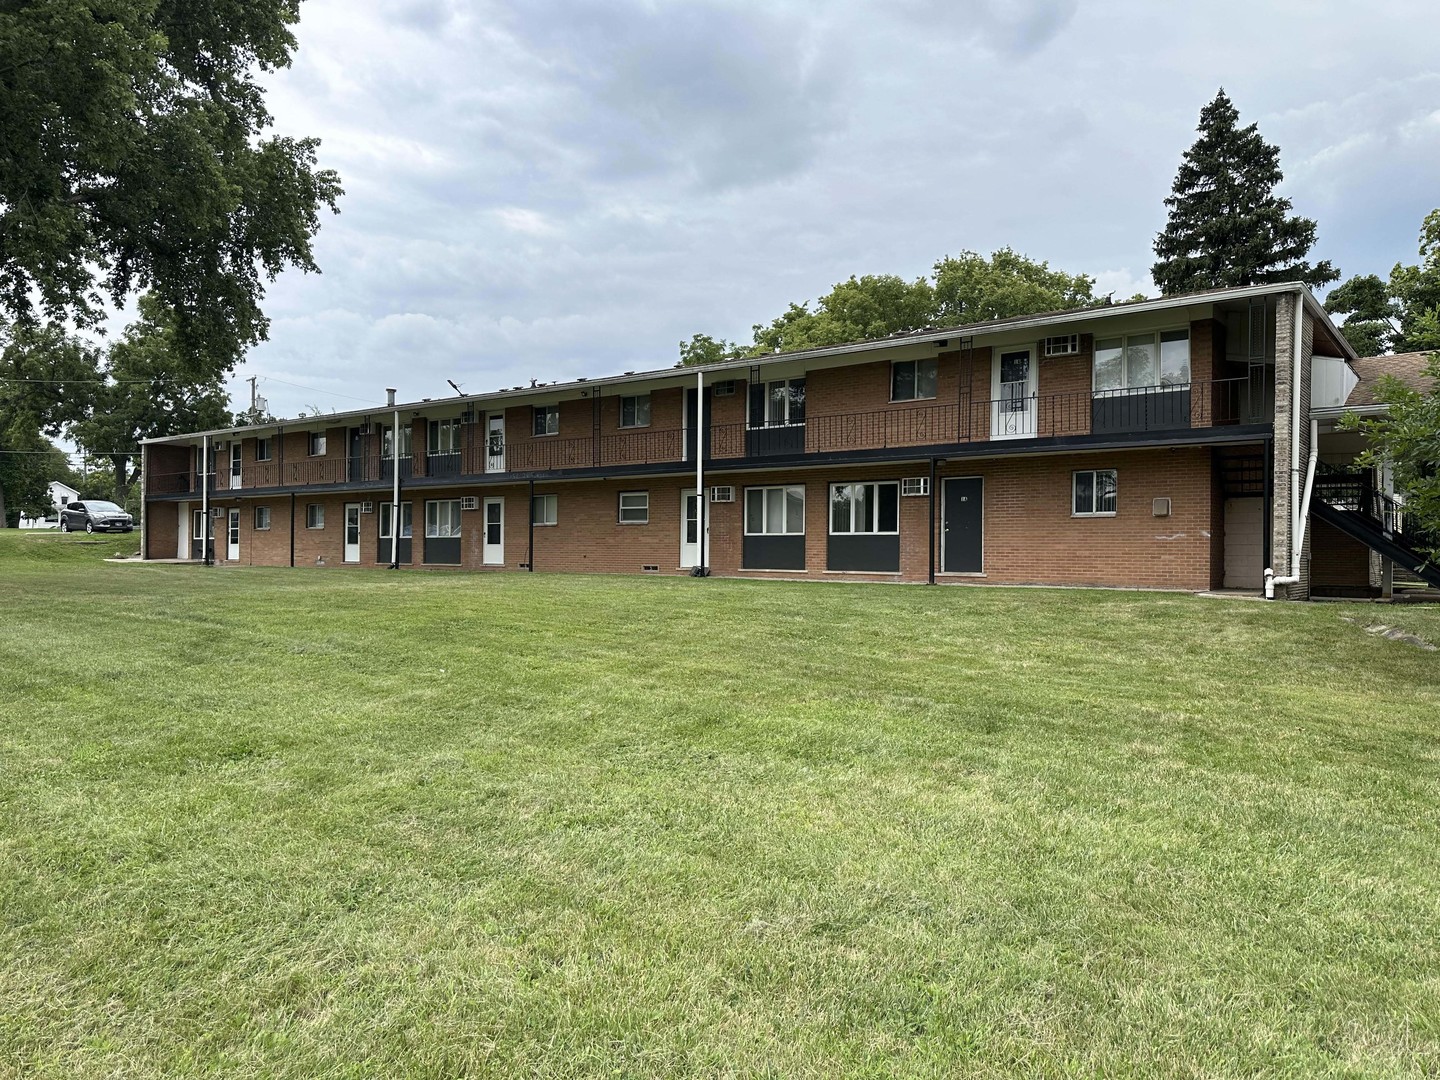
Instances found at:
x=552 y=188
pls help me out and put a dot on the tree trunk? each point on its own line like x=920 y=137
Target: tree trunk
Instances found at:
x=4 y=523
x=122 y=486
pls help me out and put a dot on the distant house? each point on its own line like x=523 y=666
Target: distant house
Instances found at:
x=60 y=495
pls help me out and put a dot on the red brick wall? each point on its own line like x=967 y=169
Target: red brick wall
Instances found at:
x=1337 y=562
x=162 y=530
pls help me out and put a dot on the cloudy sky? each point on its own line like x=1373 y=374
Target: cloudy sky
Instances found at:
x=552 y=188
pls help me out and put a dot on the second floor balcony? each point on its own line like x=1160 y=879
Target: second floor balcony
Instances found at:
x=1076 y=415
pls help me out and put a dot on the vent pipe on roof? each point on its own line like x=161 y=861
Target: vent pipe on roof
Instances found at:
x=390 y=396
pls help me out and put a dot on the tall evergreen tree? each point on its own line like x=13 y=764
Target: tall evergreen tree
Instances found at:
x=1227 y=226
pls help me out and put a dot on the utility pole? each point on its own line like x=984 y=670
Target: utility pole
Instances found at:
x=253 y=395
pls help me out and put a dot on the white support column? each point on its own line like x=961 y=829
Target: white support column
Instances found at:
x=702 y=526
x=395 y=496
x=144 y=502
x=206 y=531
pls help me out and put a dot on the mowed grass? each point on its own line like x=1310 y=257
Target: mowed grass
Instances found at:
x=326 y=823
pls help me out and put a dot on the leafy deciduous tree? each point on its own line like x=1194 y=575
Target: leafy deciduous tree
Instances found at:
x=1226 y=226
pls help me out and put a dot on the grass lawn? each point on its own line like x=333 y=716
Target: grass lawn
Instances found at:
x=323 y=823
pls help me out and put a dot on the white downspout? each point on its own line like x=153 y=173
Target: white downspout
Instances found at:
x=395 y=496
x=144 y=502
x=701 y=533
x=1297 y=522
x=205 y=529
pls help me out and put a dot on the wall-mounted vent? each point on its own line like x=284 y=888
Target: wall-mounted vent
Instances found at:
x=367 y=507
x=1063 y=345
x=649 y=569
x=722 y=493
x=1160 y=507
x=469 y=502
x=725 y=388
x=915 y=485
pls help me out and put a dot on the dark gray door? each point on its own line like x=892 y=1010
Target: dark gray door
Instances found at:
x=964 y=525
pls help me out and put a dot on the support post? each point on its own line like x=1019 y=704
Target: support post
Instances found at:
x=207 y=531
x=144 y=502
x=395 y=487
x=530 y=556
x=932 y=521
x=292 y=528
x=702 y=546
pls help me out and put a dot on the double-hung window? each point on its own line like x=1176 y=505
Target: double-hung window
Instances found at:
x=262 y=449
x=775 y=511
x=872 y=508
x=777 y=404
x=262 y=518
x=544 y=509
x=547 y=419
x=1094 y=493
x=635 y=411
x=442 y=518
x=314 y=515
x=407 y=528
x=317 y=444
x=913 y=380
x=1137 y=361
x=445 y=436
x=634 y=508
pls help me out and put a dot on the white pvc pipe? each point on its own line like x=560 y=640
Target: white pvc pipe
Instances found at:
x=395 y=497
x=205 y=527
x=700 y=532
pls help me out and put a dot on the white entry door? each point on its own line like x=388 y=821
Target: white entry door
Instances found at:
x=232 y=536
x=493 y=549
x=1013 y=412
x=352 y=532
x=689 y=529
x=235 y=464
x=495 y=443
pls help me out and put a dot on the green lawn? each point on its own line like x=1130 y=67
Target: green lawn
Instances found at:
x=300 y=823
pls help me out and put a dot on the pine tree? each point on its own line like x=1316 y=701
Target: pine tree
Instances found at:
x=1227 y=226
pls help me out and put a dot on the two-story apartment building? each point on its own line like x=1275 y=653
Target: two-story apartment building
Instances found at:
x=1160 y=443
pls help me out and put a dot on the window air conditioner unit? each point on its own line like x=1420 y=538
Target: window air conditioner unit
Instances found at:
x=367 y=507
x=468 y=416
x=217 y=512
x=725 y=388
x=915 y=485
x=1064 y=345
x=469 y=502
x=722 y=493
x=363 y=429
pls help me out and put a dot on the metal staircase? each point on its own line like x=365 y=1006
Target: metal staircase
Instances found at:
x=1348 y=500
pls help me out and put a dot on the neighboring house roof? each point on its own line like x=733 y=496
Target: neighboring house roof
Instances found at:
x=57 y=486
x=1409 y=368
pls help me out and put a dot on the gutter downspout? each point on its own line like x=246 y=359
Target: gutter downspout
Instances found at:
x=206 y=530
x=932 y=521
x=1297 y=526
x=395 y=493
x=144 y=504
x=702 y=567
x=530 y=555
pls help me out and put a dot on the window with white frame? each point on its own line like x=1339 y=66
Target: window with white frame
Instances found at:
x=197 y=520
x=775 y=511
x=262 y=518
x=778 y=404
x=407 y=528
x=1094 y=493
x=547 y=420
x=387 y=441
x=635 y=411
x=444 y=436
x=1061 y=345
x=442 y=519
x=545 y=509
x=317 y=444
x=634 y=508
x=314 y=515
x=262 y=450
x=872 y=508
x=1143 y=360
x=913 y=380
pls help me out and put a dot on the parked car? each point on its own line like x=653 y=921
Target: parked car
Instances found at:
x=95 y=515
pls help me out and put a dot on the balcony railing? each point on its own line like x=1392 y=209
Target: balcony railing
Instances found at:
x=1244 y=400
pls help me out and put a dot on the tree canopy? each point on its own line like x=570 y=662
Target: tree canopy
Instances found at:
x=961 y=289
x=1401 y=314
x=135 y=157
x=1226 y=225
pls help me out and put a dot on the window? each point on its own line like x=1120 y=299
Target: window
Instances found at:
x=1140 y=360
x=865 y=508
x=544 y=509
x=774 y=511
x=442 y=518
x=912 y=380
x=262 y=449
x=1094 y=493
x=387 y=442
x=262 y=518
x=1064 y=345
x=314 y=515
x=547 y=419
x=444 y=436
x=635 y=508
x=197 y=521
x=635 y=411
x=317 y=444
x=406 y=520
x=777 y=404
